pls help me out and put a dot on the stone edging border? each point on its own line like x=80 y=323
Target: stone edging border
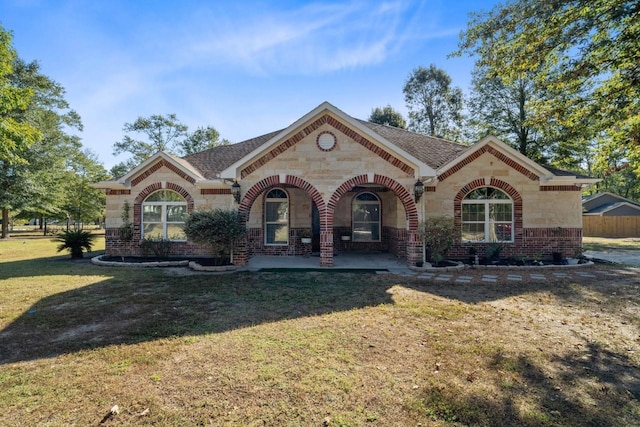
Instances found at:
x=462 y=266
x=179 y=263
x=98 y=261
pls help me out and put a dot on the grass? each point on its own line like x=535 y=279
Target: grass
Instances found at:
x=610 y=243
x=313 y=348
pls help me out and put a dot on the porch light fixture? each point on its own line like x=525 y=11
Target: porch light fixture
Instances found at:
x=235 y=191
x=418 y=190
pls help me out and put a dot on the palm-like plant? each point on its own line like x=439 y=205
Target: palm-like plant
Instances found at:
x=75 y=242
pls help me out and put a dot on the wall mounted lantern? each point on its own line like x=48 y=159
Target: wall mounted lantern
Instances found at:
x=235 y=191
x=418 y=190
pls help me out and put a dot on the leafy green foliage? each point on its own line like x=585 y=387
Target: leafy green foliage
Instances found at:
x=387 y=116
x=75 y=241
x=584 y=53
x=505 y=111
x=438 y=234
x=42 y=182
x=16 y=134
x=159 y=247
x=149 y=135
x=435 y=108
x=218 y=228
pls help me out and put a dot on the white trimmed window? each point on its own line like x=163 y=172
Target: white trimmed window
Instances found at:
x=276 y=217
x=163 y=215
x=487 y=216
x=365 y=214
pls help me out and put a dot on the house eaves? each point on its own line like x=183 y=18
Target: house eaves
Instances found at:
x=234 y=170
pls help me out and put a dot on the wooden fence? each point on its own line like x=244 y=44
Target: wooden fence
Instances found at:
x=611 y=226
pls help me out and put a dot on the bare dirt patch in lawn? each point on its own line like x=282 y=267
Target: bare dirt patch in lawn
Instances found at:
x=325 y=348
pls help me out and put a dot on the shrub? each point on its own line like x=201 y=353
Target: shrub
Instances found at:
x=160 y=247
x=126 y=229
x=438 y=234
x=218 y=228
x=75 y=242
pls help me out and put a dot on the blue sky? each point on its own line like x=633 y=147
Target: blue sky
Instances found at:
x=243 y=67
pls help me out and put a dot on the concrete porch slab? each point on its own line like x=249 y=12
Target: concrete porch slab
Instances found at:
x=341 y=261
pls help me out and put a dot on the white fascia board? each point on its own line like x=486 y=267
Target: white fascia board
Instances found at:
x=422 y=169
x=109 y=185
x=126 y=179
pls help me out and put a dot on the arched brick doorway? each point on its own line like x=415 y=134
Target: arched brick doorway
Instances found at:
x=413 y=244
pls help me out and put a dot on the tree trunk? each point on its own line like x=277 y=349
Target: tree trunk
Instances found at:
x=5 y=224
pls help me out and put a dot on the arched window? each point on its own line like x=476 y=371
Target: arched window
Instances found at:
x=365 y=214
x=276 y=217
x=163 y=215
x=487 y=216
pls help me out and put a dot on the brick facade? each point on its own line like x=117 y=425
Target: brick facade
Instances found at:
x=547 y=217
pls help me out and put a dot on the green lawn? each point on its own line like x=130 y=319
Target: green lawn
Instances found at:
x=309 y=348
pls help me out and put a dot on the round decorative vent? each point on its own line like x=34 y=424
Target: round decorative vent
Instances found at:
x=326 y=141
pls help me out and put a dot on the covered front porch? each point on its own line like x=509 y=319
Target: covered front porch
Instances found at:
x=341 y=261
x=366 y=215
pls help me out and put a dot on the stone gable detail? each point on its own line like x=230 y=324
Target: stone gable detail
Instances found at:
x=499 y=155
x=156 y=166
x=307 y=130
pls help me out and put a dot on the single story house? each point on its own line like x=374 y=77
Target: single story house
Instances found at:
x=609 y=204
x=336 y=175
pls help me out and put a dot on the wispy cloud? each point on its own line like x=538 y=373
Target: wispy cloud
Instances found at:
x=312 y=39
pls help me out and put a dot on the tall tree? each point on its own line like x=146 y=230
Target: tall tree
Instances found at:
x=586 y=53
x=16 y=134
x=35 y=182
x=435 y=107
x=161 y=133
x=82 y=203
x=387 y=116
x=201 y=139
x=505 y=110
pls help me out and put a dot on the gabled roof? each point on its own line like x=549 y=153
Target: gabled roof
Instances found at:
x=606 y=202
x=428 y=149
x=422 y=168
x=429 y=156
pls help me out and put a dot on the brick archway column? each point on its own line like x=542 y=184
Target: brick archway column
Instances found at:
x=414 y=243
x=258 y=188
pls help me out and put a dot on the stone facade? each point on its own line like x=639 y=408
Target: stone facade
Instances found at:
x=325 y=160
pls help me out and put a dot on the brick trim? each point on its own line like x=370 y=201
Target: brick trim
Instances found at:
x=400 y=191
x=144 y=193
x=274 y=181
x=560 y=188
x=206 y=191
x=497 y=183
x=156 y=166
x=498 y=154
x=118 y=192
x=307 y=130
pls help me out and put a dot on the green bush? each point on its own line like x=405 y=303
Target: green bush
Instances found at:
x=438 y=234
x=218 y=228
x=159 y=247
x=75 y=242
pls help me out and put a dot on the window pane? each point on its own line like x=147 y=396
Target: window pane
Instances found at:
x=366 y=231
x=277 y=234
x=473 y=212
x=500 y=212
x=276 y=211
x=165 y=196
x=502 y=232
x=176 y=232
x=473 y=232
x=176 y=213
x=152 y=213
x=153 y=231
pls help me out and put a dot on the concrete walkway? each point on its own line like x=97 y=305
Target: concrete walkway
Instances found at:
x=387 y=264
x=627 y=256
